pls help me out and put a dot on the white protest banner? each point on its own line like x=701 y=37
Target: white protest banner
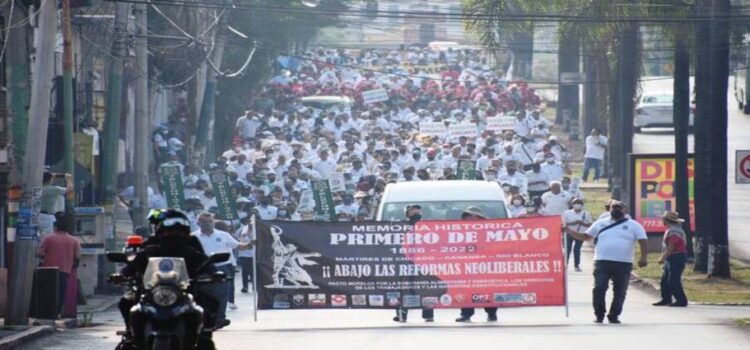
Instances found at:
x=431 y=128
x=500 y=123
x=337 y=182
x=372 y=96
x=463 y=129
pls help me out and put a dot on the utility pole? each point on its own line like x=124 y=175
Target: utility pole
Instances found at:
x=17 y=61
x=69 y=156
x=204 y=141
x=111 y=135
x=681 y=120
x=141 y=153
x=24 y=250
x=627 y=72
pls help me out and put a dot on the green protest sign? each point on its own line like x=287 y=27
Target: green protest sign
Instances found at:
x=324 y=209
x=466 y=170
x=171 y=184
x=224 y=196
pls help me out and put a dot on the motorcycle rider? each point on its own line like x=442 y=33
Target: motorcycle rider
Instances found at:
x=172 y=239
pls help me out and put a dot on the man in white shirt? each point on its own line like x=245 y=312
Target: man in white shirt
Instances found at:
x=613 y=258
x=537 y=180
x=266 y=211
x=553 y=169
x=240 y=166
x=245 y=257
x=216 y=241
x=555 y=201
x=348 y=207
x=575 y=221
x=596 y=144
x=325 y=166
x=247 y=125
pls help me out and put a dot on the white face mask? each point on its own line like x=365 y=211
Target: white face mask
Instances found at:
x=577 y=206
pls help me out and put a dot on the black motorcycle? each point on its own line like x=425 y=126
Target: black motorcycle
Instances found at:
x=166 y=315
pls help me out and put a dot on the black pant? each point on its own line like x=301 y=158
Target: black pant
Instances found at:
x=63 y=285
x=246 y=263
x=468 y=312
x=619 y=274
x=671 y=279
x=576 y=245
x=426 y=313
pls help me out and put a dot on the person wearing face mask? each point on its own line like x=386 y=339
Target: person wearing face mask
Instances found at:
x=413 y=213
x=348 y=207
x=555 y=201
x=615 y=238
x=208 y=200
x=553 y=169
x=573 y=189
x=538 y=182
x=517 y=206
x=266 y=211
x=575 y=221
x=533 y=208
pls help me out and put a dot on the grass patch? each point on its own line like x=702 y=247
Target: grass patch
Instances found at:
x=700 y=288
x=743 y=322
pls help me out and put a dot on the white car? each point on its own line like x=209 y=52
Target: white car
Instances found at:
x=443 y=200
x=655 y=110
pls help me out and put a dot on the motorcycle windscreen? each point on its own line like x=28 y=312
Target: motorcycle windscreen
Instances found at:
x=171 y=271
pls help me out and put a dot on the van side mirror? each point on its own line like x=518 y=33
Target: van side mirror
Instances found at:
x=219 y=258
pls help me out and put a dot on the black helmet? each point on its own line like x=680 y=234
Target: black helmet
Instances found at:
x=172 y=219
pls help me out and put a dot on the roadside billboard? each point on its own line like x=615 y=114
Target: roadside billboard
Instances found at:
x=652 y=184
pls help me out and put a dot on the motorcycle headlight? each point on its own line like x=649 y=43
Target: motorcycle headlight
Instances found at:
x=164 y=295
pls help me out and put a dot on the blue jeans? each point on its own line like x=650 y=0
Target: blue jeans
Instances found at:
x=592 y=163
x=671 y=279
x=576 y=245
x=220 y=291
x=619 y=274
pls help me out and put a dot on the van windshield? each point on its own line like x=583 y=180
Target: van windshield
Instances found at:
x=444 y=210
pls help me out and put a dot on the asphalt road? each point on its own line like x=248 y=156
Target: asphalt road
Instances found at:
x=661 y=140
x=644 y=327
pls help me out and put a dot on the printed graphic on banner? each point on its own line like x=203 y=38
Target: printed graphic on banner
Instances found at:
x=338 y=184
x=466 y=170
x=171 y=183
x=652 y=179
x=500 y=123
x=440 y=264
x=463 y=129
x=224 y=196
x=373 y=96
x=324 y=208
x=432 y=128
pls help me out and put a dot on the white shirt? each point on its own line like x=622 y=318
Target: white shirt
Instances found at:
x=325 y=168
x=268 y=213
x=350 y=209
x=617 y=243
x=246 y=235
x=593 y=148
x=571 y=216
x=555 y=204
x=537 y=177
x=218 y=242
x=554 y=171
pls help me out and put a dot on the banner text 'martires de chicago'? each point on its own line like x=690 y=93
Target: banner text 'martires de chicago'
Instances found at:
x=435 y=264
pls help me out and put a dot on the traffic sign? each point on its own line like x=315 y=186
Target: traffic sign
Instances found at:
x=742 y=169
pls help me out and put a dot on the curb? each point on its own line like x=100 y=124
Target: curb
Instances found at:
x=12 y=341
x=103 y=307
x=651 y=286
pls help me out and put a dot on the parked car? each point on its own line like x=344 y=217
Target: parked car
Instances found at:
x=655 y=110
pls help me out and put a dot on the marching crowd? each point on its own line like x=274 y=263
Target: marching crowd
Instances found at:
x=283 y=142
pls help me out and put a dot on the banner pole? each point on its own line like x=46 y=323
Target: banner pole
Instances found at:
x=565 y=273
x=255 y=269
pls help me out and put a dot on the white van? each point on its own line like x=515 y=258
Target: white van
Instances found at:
x=442 y=200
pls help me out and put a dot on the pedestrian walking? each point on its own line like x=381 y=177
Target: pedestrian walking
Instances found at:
x=593 y=156
x=575 y=222
x=413 y=213
x=245 y=257
x=216 y=241
x=475 y=213
x=673 y=257
x=615 y=240
x=63 y=251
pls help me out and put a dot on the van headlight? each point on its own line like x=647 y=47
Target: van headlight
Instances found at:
x=164 y=295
